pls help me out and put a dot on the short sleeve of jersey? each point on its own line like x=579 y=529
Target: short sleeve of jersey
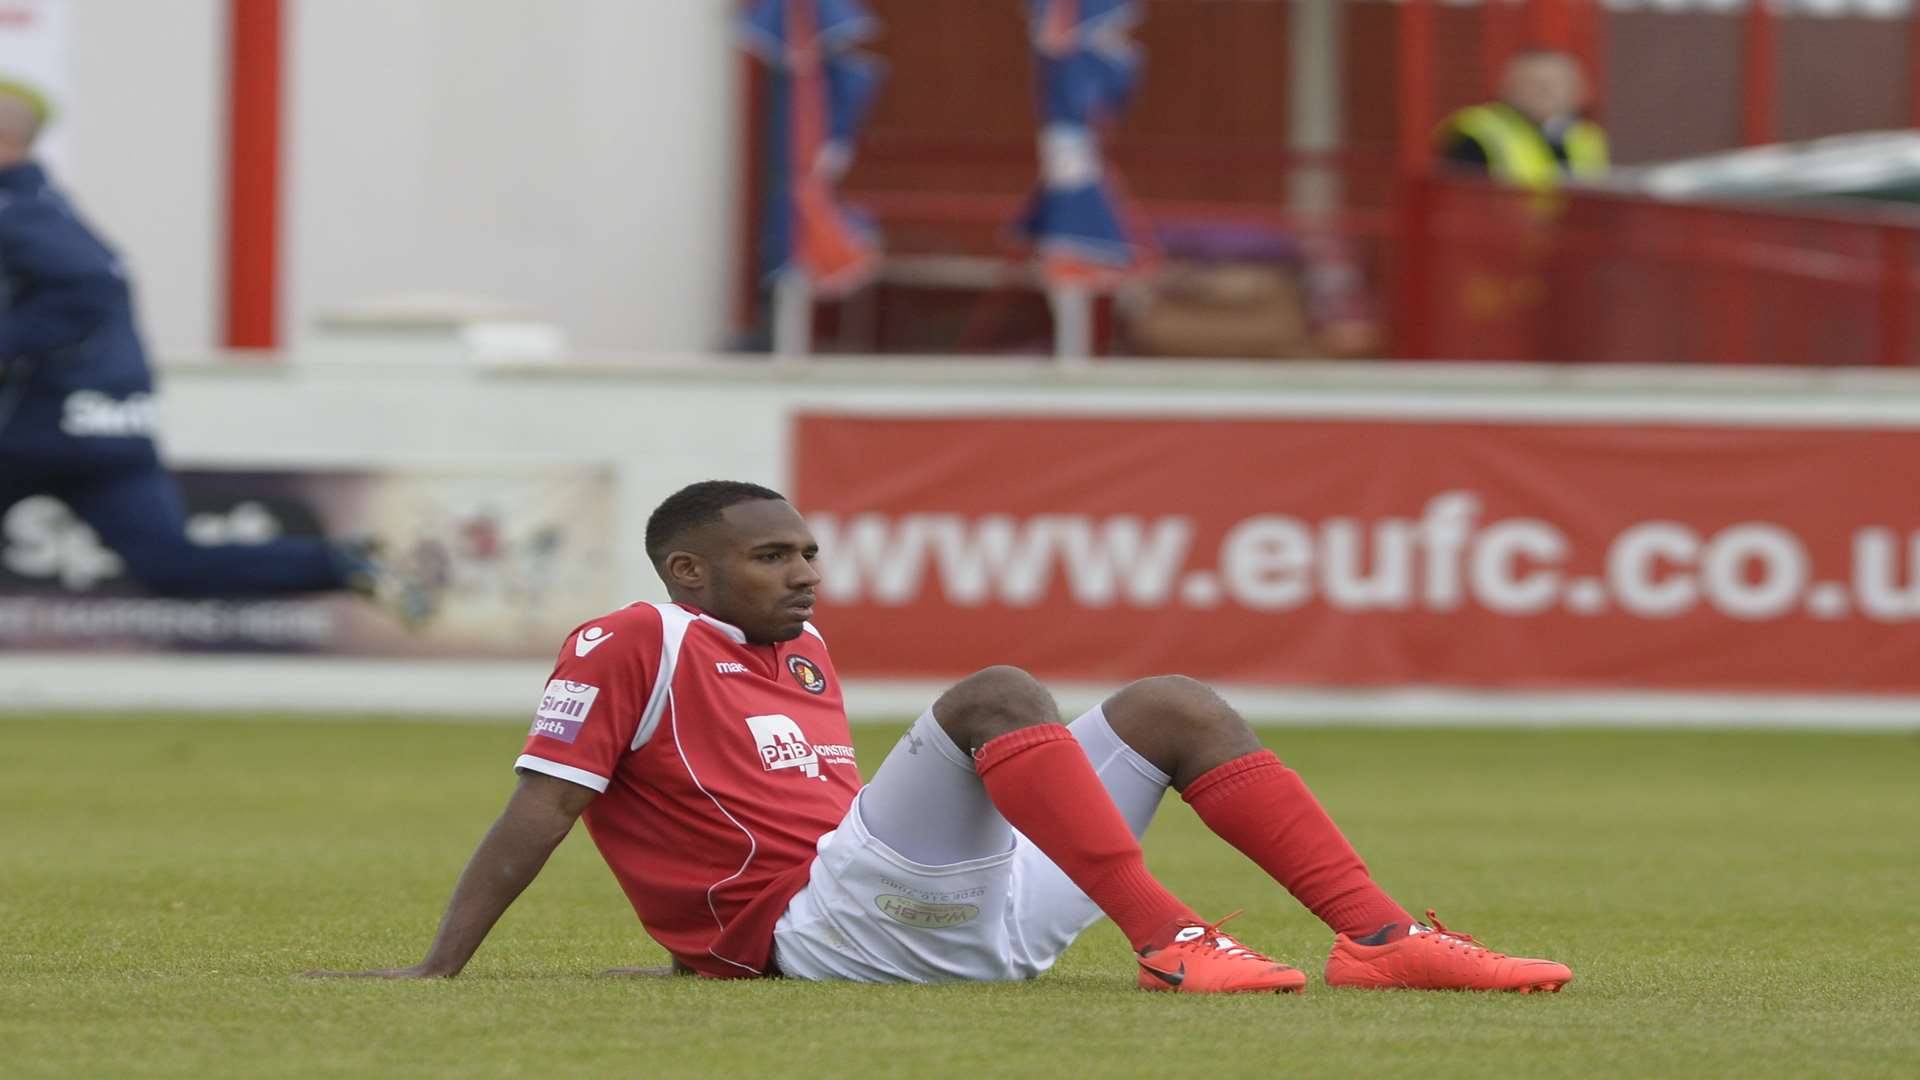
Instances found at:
x=593 y=702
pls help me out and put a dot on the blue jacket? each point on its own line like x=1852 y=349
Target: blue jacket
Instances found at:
x=76 y=387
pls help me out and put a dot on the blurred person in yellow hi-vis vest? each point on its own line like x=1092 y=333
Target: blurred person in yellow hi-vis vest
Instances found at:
x=1535 y=136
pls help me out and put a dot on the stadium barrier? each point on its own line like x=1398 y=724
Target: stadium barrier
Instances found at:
x=1408 y=543
x=1492 y=273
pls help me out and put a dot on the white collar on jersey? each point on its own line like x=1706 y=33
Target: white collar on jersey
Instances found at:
x=734 y=633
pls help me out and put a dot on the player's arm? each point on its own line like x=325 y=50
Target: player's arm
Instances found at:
x=538 y=816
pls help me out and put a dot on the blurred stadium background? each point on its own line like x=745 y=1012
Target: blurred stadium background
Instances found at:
x=1104 y=337
x=1096 y=336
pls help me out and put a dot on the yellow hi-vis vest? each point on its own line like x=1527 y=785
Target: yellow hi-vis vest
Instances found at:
x=1517 y=152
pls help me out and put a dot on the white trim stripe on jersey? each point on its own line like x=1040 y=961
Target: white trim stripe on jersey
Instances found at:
x=564 y=772
x=674 y=621
x=753 y=845
x=734 y=633
x=808 y=627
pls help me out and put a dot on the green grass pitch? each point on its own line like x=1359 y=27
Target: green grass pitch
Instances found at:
x=1732 y=904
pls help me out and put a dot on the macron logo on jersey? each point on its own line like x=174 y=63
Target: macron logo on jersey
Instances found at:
x=563 y=709
x=730 y=667
x=782 y=746
x=589 y=640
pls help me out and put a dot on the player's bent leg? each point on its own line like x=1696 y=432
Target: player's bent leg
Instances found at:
x=139 y=515
x=1247 y=797
x=915 y=884
x=1265 y=810
x=926 y=803
x=871 y=912
x=1183 y=728
x=990 y=703
x=1041 y=782
x=1180 y=725
x=1050 y=911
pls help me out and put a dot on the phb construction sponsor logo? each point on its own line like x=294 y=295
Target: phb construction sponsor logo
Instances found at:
x=564 y=709
x=783 y=746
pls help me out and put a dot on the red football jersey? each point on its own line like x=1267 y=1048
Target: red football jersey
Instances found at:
x=721 y=763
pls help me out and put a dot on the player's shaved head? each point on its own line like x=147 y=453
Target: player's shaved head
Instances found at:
x=694 y=506
x=738 y=552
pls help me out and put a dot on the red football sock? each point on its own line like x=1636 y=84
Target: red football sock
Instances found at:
x=1042 y=783
x=1264 y=809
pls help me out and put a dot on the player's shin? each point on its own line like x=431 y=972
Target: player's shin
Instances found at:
x=1041 y=782
x=1267 y=812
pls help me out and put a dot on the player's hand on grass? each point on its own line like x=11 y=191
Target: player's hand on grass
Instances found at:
x=417 y=971
x=538 y=816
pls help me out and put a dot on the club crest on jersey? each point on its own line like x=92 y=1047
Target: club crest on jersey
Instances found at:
x=563 y=709
x=807 y=674
x=782 y=746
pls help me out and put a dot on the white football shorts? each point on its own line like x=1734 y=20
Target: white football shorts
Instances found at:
x=923 y=881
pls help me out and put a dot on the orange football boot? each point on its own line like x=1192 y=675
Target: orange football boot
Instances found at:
x=1436 y=958
x=1196 y=958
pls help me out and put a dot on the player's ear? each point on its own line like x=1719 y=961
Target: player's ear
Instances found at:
x=686 y=569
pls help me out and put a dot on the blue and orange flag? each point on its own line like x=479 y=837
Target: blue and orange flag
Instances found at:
x=821 y=89
x=1080 y=220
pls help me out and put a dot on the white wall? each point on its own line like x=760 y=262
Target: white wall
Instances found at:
x=573 y=156
x=141 y=151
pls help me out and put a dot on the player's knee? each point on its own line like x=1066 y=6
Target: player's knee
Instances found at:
x=1174 y=713
x=1174 y=698
x=991 y=702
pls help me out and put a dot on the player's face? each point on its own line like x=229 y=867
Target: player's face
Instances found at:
x=762 y=577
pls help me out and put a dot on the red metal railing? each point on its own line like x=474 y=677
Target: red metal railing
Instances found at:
x=1479 y=272
x=1496 y=274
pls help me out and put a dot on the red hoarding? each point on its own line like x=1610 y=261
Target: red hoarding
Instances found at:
x=1369 y=553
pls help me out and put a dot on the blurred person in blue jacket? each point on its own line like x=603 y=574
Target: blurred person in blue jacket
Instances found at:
x=77 y=411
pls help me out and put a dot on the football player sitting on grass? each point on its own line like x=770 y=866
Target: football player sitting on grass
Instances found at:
x=705 y=742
